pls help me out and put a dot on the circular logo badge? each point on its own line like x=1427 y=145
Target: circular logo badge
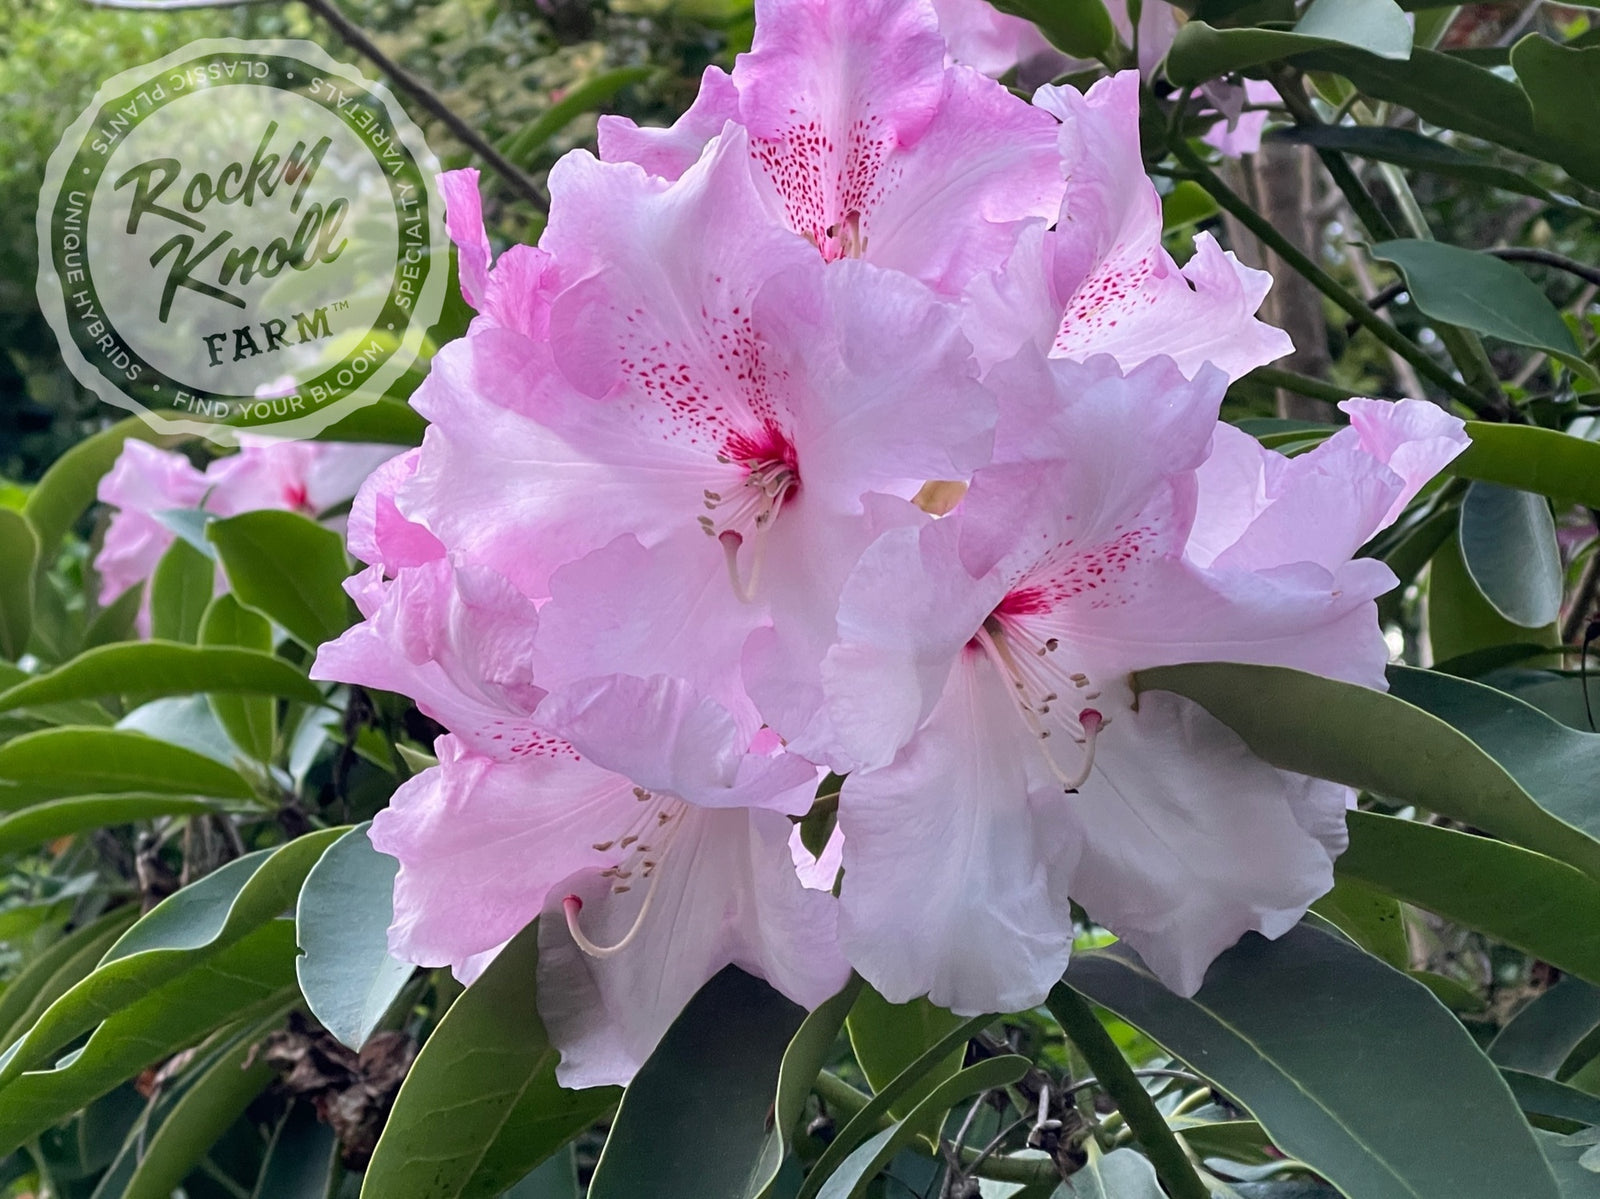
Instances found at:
x=243 y=235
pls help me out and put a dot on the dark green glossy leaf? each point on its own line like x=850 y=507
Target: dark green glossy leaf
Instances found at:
x=212 y=1102
x=1522 y=898
x=1442 y=90
x=300 y=1159
x=251 y=721
x=1463 y=625
x=481 y=1106
x=288 y=568
x=180 y=589
x=694 y=1120
x=1508 y=543
x=864 y=1123
x=145 y=669
x=342 y=919
x=1545 y=461
x=244 y=983
x=89 y=761
x=1200 y=52
x=42 y=981
x=1080 y=28
x=1478 y=292
x=182 y=932
x=68 y=487
x=1277 y=1026
x=1369 y=918
x=1563 y=85
x=61 y=817
x=117 y=621
x=1446 y=744
x=19 y=553
x=858 y=1170
x=1540 y=1096
x=802 y=1062
x=1549 y=1029
x=1408 y=148
x=887 y=1037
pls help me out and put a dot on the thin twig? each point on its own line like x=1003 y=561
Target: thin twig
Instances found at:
x=1184 y=1075
x=357 y=38
x=1548 y=258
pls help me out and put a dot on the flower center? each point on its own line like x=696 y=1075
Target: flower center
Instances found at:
x=747 y=511
x=1038 y=682
x=648 y=837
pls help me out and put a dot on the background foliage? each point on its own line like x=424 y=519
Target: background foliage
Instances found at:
x=1432 y=1030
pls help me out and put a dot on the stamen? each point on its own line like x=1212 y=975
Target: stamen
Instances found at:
x=994 y=639
x=572 y=905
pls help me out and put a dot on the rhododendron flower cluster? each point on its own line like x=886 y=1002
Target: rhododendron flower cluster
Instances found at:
x=856 y=426
x=312 y=478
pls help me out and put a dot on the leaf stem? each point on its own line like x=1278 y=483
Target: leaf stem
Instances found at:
x=1305 y=385
x=1329 y=286
x=1149 y=1126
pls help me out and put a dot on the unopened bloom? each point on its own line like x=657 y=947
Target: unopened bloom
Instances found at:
x=984 y=677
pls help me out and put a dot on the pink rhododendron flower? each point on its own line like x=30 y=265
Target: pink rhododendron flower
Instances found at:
x=1100 y=282
x=1239 y=132
x=666 y=873
x=983 y=676
x=866 y=143
x=297 y=476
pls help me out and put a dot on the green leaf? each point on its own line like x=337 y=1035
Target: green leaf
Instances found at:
x=1279 y=1025
x=1559 y=465
x=1480 y=292
x=1508 y=542
x=288 y=568
x=526 y=145
x=1200 y=52
x=208 y=1106
x=1539 y=1096
x=89 y=761
x=1416 y=151
x=117 y=621
x=1524 y=899
x=1122 y=1174
x=245 y=982
x=1442 y=90
x=1449 y=745
x=383 y=422
x=864 y=1123
x=64 y=963
x=251 y=722
x=146 y=669
x=300 y=1159
x=1563 y=86
x=851 y=1179
x=1078 y=28
x=180 y=589
x=1546 y=1032
x=797 y=1074
x=481 y=1106
x=693 y=1122
x=33 y=826
x=887 y=1037
x=19 y=555
x=69 y=486
x=1368 y=917
x=342 y=920
x=1186 y=204
x=1564 y=1154
x=182 y=932
x=1462 y=624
